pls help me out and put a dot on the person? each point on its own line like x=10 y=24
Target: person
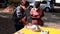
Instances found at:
x=20 y=15
x=36 y=14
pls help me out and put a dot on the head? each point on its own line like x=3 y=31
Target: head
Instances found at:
x=24 y=3
x=37 y=4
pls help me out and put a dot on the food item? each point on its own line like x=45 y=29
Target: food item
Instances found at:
x=36 y=29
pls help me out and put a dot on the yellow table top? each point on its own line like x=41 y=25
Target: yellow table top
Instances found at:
x=29 y=31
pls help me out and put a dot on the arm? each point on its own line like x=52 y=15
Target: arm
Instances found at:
x=24 y=21
x=21 y=17
x=38 y=16
x=35 y=17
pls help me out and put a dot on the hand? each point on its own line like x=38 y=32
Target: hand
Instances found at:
x=29 y=24
x=38 y=17
x=34 y=17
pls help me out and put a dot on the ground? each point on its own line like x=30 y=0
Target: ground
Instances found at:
x=52 y=25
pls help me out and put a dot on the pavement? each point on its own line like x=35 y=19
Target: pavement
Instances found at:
x=52 y=17
x=57 y=7
x=6 y=22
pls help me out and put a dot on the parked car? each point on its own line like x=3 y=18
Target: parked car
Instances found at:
x=45 y=5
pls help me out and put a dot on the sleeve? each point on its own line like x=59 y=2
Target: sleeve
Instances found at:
x=19 y=14
x=41 y=12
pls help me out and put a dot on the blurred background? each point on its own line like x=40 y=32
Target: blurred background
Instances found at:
x=51 y=14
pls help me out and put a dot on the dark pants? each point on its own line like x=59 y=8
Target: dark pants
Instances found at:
x=18 y=25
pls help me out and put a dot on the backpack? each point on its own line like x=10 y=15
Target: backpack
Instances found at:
x=15 y=14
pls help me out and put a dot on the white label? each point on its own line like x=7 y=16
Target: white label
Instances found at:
x=44 y=32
